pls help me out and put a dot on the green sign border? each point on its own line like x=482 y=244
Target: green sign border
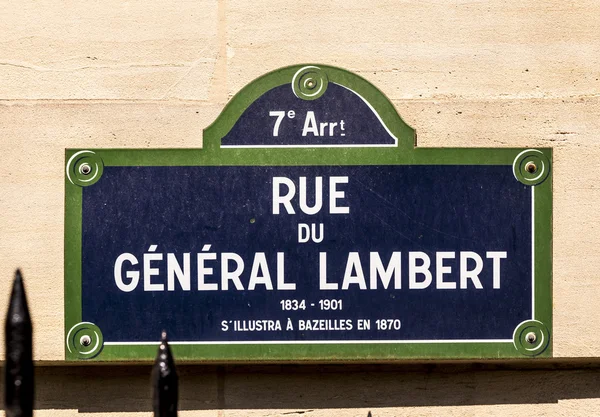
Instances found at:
x=84 y=167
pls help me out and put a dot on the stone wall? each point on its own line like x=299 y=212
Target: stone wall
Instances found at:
x=151 y=74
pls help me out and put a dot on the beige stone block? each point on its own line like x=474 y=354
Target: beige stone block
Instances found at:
x=345 y=391
x=415 y=49
x=556 y=123
x=107 y=50
x=33 y=203
x=446 y=391
x=32 y=182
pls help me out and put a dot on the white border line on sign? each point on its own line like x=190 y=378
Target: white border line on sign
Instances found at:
x=362 y=145
x=314 y=342
x=326 y=342
x=532 y=253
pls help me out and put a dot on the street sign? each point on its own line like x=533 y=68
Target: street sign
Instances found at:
x=308 y=228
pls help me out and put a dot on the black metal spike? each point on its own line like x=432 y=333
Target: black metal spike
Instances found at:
x=18 y=368
x=165 y=382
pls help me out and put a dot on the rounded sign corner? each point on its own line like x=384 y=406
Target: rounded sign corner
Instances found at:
x=84 y=341
x=531 y=338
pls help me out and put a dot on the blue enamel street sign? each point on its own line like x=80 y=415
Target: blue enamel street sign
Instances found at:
x=308 y=227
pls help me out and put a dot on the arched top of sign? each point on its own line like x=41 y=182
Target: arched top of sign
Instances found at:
x=309 y=106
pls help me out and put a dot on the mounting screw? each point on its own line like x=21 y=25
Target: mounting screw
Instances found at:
x=85 y=340
x=85 y=168
x=530 y=167
x=531 y=337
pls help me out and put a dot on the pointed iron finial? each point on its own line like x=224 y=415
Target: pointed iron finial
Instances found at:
x=18 y=368
x=164 y=381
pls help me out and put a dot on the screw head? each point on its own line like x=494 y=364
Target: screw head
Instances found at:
x=85 y=168
x=85 y=340
x=531 y=337
x=531 y=167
